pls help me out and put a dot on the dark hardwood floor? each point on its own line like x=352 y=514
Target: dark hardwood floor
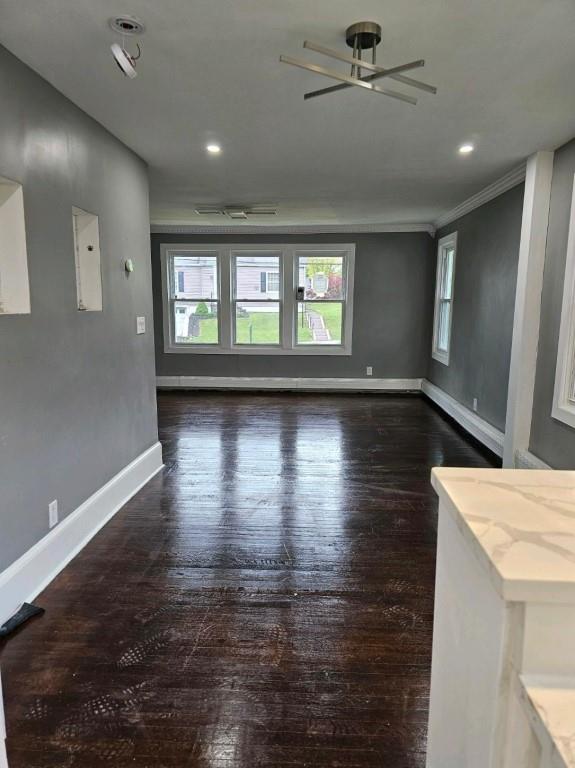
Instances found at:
x=266 y=600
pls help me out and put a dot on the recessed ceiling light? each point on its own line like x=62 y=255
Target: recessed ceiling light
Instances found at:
x=214 y=149
x=465 y=149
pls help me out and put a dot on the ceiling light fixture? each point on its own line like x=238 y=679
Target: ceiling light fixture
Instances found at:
x=466 y=149
x=365 y=35
x=214 y=149
x=126 y=61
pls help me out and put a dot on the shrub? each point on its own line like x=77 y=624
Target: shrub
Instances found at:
x=202 y=309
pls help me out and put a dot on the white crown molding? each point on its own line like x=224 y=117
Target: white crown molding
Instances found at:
x=510 y=180
x=171 y=228
x=278 y=383
x=481 y=430
x=35 y=569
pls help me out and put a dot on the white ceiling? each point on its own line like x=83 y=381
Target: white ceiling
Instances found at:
x=210 y=72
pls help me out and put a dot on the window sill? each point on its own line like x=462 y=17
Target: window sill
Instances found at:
x=441 y=357
x=564 y=413
x=328 y=351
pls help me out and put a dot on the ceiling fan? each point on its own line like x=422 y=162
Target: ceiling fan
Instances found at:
x=365 y=35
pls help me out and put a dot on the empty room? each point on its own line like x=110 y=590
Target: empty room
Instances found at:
x=287 y=384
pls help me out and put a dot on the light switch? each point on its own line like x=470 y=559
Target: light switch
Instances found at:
x=140 y=325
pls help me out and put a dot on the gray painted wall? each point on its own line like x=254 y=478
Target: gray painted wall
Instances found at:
x=551 y=440
x=77 y=399
x=483 y=306
x=393 y=306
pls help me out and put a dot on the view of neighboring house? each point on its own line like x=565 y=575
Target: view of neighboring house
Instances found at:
x=256 y=286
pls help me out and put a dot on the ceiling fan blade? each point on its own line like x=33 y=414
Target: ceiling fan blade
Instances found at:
x=363 y=64
x=413 y=83
x=371 y=78
x=349 y=81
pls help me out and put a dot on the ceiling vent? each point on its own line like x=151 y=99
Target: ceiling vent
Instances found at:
x=236 y=211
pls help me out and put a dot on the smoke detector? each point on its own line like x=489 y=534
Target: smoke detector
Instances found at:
x=126 y=61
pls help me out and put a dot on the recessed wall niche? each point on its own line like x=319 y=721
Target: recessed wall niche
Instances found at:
x=14 y=285
x=87 y=258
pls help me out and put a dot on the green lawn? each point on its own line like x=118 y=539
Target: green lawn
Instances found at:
x=265 y=327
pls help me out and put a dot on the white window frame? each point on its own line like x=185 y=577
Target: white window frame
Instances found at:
x=564 y=392
x=287 y=299
x=449 y=242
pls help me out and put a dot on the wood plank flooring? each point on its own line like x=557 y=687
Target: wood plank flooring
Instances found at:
x=266 y=600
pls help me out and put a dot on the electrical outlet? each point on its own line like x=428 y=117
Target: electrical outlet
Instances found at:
x=369 y=370
x=475 y=404
x=53 y=513
x=140 y=325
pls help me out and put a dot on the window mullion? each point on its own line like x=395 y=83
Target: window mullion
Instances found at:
x=226 y=299
x=288 y=299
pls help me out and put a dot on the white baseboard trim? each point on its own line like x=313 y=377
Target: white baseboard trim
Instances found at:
x=35 y=569
x=481 y=430
x=527 y=460
x=277 y=383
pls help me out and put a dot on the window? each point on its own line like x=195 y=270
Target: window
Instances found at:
x=14 y=286
x=273 y=282
x=320 y=315
x=87 y=260
x=564 y=394
x=193 y=285
x=256 y=307
x=444 y=298
x=278 y=299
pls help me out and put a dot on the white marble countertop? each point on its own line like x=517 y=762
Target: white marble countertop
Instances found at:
x=550 y=705
x=520 y=524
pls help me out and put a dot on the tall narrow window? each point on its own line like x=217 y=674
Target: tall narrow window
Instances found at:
x=256 y=298
x=321 y=285
x=444 y=298
x=194 y=297
x=14 y=287
x=87 y=259
x=564 y=394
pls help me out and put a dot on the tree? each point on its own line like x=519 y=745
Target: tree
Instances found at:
x=202 y=309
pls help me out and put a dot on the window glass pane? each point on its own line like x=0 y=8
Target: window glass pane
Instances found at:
x=257 y=276
x=195 y=276
x=443 y=326
x=319 y=322
x=257 y=322
x=571 y=385
x=196 y=323
x=447 y=274
x=321 y=276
